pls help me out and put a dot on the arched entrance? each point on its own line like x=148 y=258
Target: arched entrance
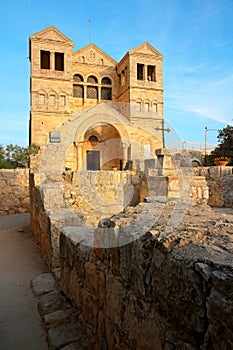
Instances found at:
x=102 y=135
x=101 y=149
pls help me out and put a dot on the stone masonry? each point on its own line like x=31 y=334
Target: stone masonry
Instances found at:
x=114 y=109
x=154 y=276
x=219 y=180
x=14 y=191
x=167 y=290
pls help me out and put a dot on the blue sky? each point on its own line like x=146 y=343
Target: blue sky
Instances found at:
x=195 y=36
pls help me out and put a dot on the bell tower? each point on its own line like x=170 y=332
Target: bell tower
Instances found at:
x=50 y=85
x=141 y=78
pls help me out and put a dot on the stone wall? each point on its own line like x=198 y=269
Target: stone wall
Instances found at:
x=164 y=291
x=102 y=190
x=48 y=214
x=219 y=180
x=165 y=280
x=76 y=198
x=14 y=191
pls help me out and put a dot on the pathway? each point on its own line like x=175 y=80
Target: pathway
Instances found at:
x=20 y=262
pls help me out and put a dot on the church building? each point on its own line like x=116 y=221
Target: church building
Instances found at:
x=116 y=107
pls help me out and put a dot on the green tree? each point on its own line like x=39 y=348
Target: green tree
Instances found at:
x=14 y=156
x=2 y=152
x=225 y=146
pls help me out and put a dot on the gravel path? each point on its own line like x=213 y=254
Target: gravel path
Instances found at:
x=20 y=262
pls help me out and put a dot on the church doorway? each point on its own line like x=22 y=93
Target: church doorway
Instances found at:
x=102 y=148
x=93 y=160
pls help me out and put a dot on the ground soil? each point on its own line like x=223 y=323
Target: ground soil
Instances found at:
x=20 y=262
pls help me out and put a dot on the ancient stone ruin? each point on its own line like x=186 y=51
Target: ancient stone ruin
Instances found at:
x=139 y=236
x=153 y=272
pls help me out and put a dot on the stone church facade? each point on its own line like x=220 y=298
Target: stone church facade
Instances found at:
x=115 y=107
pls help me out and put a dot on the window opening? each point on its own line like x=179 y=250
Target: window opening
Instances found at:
x=140 y=71
x=92 y=92
x=106 y=93
x=42 y=99
x=78 y=78
x=93 y=139
x=155 y=107
x=63 y=100
x=139 y=107
x=151 y=73
x=147 y=107
x=106 y=81
x=59 y=61
x=92 y=79
x=78 y=91
x=44 y=59
x=123 y=78
x=52 y=100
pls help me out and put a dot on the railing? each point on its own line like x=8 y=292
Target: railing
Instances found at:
x=186 y=145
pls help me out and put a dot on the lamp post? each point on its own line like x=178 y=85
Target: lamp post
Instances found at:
x=205 y=150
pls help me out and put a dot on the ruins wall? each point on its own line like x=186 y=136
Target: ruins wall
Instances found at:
x=62 y=201
x=219 y=180
x=14 y=191
x=145 y=296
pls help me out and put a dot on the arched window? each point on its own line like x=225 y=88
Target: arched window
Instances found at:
x=139 y=106
x=93 y=139
x=92 y=92
x=78 y=91
x=78 y=78
x=155 y=107
x=146 y=106
x=106 y=81
x=52 y=99
x=92 y=79
x=63 y=100
x=106 y=93
x=41 y=98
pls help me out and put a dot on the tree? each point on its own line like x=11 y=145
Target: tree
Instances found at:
x=2 y=152
x=14 y=156
x=225 y=146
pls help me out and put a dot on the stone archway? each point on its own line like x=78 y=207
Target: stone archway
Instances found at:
x=101 y=148
x=102 y=129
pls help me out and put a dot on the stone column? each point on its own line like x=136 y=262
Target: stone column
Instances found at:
x=125 y=147
x=52 y=60
x=145 y=72
x=75 y=156
x=99 y=94
x=79 y=147
x=84 y=94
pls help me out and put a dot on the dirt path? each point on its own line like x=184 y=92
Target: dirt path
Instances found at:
x=20 y=262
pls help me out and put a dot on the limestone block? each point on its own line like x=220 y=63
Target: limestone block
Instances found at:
x=44 y=283
x=215 y=171
x=157 y=186
x=62 y=335
x=51 y=302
